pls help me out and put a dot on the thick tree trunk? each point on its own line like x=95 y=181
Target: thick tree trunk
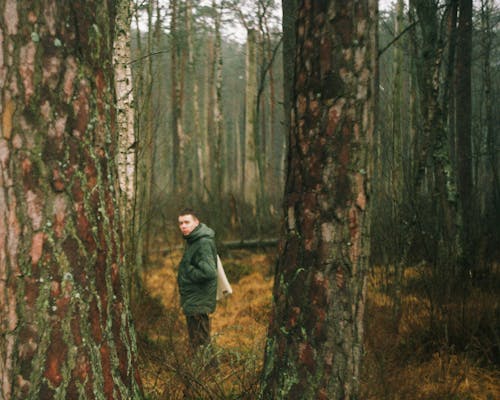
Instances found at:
x=315 y=337
x=65 y=321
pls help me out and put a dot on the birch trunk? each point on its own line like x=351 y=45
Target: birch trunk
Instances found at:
x=126 y=157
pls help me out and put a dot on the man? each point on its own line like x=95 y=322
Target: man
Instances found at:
x=197 y=277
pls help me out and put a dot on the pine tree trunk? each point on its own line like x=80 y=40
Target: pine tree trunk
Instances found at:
x=315 y=337
x=64 y=312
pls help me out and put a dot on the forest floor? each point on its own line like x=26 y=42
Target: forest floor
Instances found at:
x=398 y=364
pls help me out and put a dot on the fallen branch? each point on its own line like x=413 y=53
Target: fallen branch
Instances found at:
x=233 y=244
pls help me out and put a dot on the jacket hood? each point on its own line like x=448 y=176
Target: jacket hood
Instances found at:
x=199 y=232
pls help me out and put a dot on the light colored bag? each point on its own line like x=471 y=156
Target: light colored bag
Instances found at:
x=223 y=286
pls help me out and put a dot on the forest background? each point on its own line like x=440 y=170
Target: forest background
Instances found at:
x=347 y=159
x=212 y=134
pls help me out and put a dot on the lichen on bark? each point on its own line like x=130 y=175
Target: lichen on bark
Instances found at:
x=64 y=311
x=314 y=343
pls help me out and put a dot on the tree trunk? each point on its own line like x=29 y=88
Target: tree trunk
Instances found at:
x=208 y=115
x=176 y=75
x=463 y=125
x=492 y=142
x=125 y=111
x=434 y=140
x=145 y=148
x=289 y=9
x=197 y=162
x=251 y=170
x=398 y=160
x=218 y=138
x=64 y=312
x=126 y=157
x=315 y=337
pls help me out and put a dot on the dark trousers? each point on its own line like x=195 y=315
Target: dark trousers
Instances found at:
x=199 y=330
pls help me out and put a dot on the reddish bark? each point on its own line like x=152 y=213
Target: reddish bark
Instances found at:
x=314 y=345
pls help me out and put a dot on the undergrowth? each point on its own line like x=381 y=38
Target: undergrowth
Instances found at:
x=429 y=346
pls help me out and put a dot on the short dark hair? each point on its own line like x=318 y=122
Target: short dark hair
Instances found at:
x=188 y=211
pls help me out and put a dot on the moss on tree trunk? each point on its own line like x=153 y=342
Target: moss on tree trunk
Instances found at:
x=66 y=326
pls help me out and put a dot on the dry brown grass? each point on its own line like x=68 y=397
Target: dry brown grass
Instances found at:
x=238 y=331
x=407 y=359
x=399 y=362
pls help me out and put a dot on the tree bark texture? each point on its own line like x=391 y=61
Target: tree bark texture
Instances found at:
x=65 y=322
x=125 y=112
x=314 y=344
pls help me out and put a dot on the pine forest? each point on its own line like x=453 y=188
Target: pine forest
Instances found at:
x=255 y=200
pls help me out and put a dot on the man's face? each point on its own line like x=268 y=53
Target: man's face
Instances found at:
x=187 y=223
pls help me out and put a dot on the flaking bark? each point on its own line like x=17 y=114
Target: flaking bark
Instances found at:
x=314 y=343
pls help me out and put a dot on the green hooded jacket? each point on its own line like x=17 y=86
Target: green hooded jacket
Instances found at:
x=197 y=276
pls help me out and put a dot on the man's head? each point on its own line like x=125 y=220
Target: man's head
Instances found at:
x=188 y=221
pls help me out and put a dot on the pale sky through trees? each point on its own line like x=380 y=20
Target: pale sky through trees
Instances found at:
x=234 y=30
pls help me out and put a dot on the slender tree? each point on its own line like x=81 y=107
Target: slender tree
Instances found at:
x=251 y=177
x=125 y=112
x=144 y=117
x=126 y=157
x=463 y=123
x=176 y=74
x=433 y=154
x=65 y=322
x=315 y=337
x=218 y=115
